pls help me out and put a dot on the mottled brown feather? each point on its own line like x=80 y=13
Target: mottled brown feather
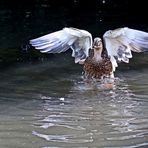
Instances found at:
x=97 y=69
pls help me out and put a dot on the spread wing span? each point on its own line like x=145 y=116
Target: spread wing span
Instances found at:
x=120 y=42
x=80 y=41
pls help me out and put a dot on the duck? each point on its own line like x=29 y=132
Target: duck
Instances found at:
x=99 y=57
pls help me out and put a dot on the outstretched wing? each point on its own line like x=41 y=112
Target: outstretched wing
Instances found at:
x=120 y=42
x=80 y=41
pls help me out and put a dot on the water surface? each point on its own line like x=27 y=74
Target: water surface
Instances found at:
x=47 y=104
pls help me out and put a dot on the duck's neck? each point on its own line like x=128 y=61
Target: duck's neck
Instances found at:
x=97 y=54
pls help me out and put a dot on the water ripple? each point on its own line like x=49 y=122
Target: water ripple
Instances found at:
x=69 y=112
x=92 y=116
x=66 y=138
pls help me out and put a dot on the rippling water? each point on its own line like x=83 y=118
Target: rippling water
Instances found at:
x=46 y=105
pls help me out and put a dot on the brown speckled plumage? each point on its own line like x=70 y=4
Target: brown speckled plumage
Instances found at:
x=94 y=69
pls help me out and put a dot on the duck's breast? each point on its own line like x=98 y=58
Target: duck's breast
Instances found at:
x=99 y=69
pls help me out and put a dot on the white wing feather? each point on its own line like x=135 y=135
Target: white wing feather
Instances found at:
x=120 y=42
x=80 y=41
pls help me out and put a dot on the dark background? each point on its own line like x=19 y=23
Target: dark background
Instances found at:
x=22 y=20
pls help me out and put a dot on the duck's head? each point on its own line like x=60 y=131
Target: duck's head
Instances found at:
x=97 y=43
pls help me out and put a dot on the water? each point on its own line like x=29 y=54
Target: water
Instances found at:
x=44 y=104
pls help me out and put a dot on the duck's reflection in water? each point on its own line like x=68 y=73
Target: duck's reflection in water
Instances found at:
x=89 y=115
